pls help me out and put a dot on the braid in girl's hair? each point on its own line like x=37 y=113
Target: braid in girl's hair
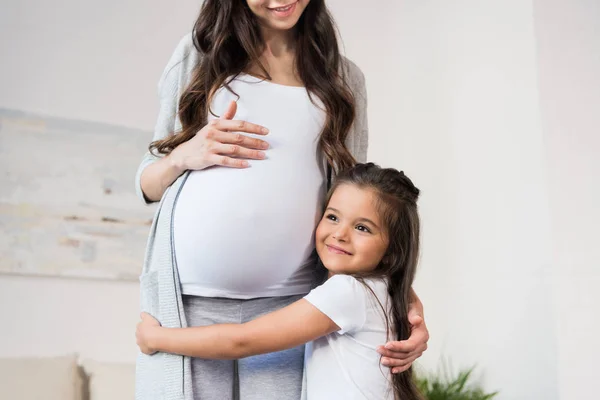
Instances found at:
x=397 y=203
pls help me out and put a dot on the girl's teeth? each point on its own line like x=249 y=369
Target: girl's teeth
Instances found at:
x=284 y=8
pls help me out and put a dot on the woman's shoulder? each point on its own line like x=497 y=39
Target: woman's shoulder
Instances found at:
x=185 y=53
x=183 y=60
x=186 y=48
x=353 y=74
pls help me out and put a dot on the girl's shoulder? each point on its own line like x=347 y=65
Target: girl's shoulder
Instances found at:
x=377 y=285
x=365 y=293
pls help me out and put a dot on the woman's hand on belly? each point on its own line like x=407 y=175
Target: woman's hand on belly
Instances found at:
x=217 y=144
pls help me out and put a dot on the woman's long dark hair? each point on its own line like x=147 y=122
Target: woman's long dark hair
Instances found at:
x=228 y=36
x=397 y=205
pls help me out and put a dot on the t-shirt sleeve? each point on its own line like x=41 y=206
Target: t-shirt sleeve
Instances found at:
x=343 y=299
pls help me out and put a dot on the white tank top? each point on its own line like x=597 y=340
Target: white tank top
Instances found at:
x=249 y=233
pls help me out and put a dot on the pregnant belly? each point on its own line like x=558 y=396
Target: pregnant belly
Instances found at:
x=245 y=230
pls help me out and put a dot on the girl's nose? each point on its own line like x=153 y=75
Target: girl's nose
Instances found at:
x=341 y=233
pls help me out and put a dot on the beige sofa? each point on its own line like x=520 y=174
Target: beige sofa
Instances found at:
x=64 y=378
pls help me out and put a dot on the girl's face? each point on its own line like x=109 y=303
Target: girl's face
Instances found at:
x=278 y=14
x=351 y=237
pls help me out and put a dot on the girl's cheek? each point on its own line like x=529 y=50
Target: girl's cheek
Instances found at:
x=320 y=231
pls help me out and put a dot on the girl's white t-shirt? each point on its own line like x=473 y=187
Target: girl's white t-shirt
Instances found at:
x=247 y=233
x=345 y=364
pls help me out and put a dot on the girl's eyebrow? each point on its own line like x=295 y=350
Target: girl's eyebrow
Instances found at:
x=369 y=222
x=359 y=220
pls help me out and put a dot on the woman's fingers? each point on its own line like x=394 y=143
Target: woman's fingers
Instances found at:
x=225 y=161
x=236 y=139
x=221 y=143
x=238 y=126
x=231 y=110
x=237 y=151
x=227 y=155
x=394 y=361
x=402 y=350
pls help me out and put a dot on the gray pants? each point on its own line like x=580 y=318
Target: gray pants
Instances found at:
x=274 y=376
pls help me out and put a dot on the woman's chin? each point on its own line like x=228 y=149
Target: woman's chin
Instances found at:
x=281 y=26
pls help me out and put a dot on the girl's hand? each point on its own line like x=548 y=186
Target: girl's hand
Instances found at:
x=215 y=144
x=399 y=355
x=144 y=333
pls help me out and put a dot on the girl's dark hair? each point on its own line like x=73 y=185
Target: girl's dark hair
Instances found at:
x=397 y=204
x=228 y=36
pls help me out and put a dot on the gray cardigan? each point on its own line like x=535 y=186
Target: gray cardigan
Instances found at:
x=167 y=376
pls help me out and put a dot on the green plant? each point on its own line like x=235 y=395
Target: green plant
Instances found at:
x=447 y=387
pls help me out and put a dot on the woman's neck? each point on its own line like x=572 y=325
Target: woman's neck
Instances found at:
x=278 y=43
x=278 y=58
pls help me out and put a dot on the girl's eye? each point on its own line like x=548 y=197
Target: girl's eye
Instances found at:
x=363 y=228
x=331 y=217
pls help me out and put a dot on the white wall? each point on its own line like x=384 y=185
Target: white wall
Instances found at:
x=89 y=60
x=45 y=317
x=453 y=91
x=568 y=36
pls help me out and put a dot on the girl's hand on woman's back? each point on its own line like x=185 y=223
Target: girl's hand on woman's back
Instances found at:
x=144 y=332
x=220 y=143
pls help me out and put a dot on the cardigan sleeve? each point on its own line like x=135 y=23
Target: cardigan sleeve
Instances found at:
x=358 y=137
x=172 y=83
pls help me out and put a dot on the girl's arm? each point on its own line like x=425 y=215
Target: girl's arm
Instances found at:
x=289 y=327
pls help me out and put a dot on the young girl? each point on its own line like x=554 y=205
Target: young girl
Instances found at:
x=368 y=240
x=232 y=237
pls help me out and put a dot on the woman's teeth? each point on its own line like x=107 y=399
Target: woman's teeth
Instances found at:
x=284 y=8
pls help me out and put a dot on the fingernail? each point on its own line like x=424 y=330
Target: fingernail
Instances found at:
x=388 y=346
x=261 y=154
x=245 y=163
x=265 y=130
x=385 y=361
x=265 y=145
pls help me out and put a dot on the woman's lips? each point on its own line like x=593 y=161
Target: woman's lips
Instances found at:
x=284 y=11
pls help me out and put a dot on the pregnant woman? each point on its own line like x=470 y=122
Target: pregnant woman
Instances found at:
x=241 y=192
